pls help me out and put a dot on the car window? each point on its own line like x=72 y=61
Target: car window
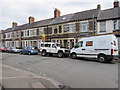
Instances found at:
x=42 y=45
x=80 y=44
x=53 y=46
x=47 y=45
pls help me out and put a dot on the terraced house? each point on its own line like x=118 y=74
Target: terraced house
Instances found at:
x=64 y=30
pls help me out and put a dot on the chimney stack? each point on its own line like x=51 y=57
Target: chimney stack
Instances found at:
x=31 y=19
x=56 y=13
x=14 y=24
x=99 y=6
x=116 y=3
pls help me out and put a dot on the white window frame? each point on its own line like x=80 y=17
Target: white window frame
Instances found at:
x=84 y=26
x=103 y=26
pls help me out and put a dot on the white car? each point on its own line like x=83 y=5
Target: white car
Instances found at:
x=103 y=47
x=52 y=48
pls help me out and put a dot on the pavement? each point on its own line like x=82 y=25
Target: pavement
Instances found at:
x=17 y=78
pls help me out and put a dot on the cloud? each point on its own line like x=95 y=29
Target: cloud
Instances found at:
x=20 y=10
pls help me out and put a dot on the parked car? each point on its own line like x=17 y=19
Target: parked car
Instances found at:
x=9 y=49
x=3 y=49
x=51 y=48
x=103 y=47
x=29 y=50
x=16 y=49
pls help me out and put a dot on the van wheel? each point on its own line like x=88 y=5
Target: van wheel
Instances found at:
x=44 y=53
x=73 y=56
x=102 y=58
x=60 y=54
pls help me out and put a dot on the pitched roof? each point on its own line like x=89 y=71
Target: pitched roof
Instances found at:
x=62 y=19
x=43 y=22
x=109 y=14
x=85 y=14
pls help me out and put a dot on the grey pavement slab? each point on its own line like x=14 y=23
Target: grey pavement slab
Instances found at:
x=16 y=78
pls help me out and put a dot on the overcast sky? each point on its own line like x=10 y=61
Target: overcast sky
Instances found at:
x=19 y=10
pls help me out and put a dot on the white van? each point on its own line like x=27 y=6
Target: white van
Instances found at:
x=103 y=47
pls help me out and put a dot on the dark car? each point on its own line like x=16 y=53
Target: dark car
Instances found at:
x=29 y=50
x=3 y=49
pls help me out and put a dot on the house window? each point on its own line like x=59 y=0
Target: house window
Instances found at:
x=118 y=24
x=22 y=34
x=115 y=25
x=91 y=25
x=84 y=26
x=103 y=26
x=55 y=30
x=66 y=28
x=17 y=34
x=77 y=26
x=71 y=27
x=49 y=30
x=60 y=29
x=28 y=33
x=37 y=31
x=42 y=31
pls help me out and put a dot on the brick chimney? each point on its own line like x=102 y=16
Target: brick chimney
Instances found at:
x=14 y=24
x=98 y=6
x=31 y=19
x=56 y=13
x=116 y=3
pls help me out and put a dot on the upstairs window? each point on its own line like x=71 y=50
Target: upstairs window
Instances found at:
x=84 y=26
x=72 y=28
x=115 y=25
x=42 y=31
x=66 y=28
x=77 y=25
x=103 y=26
x=37 y=31
x=55 y=30
x=60 y=29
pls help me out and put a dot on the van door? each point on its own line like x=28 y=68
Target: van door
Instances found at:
x=78 y=48
x=89 y=50
x=53 y=49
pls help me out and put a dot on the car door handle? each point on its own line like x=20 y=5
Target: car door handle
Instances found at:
x=83 y=49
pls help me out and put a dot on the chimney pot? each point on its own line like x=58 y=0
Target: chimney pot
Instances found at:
x=14 y=24
x=31 y=19
x=98 y=6
x=56 y=13
x=116 y=3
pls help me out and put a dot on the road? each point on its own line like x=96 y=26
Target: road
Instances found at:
x=74 y=73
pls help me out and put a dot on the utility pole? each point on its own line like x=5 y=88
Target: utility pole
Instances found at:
x=47 y=34
x=93 y=24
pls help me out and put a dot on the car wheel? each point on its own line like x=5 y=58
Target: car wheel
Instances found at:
x=60 y=54
x=44 y=53
x=73 y=56
x=7 y=51
x=102 y=58
x=21 y=52
x=29 y=53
